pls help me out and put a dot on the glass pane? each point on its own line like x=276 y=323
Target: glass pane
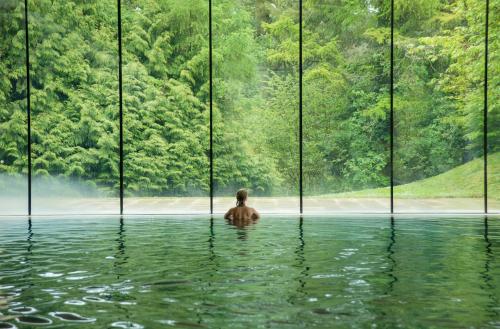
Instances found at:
x=494 y=107
x=74 y=96
x=438 y=102
x=256 y=103
x=13 y=117
x=346 y=106
x=166 y=106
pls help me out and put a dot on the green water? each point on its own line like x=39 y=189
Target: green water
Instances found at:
x=279 y=273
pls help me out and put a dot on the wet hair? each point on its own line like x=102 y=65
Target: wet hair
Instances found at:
x=241 y=197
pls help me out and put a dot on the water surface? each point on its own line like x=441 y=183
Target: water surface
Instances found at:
x=282 y=272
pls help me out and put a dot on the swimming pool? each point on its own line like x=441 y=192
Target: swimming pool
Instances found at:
x=197 y=272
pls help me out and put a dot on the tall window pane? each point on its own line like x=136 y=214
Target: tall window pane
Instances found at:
x=74 y=97
x=166 y=106
x=494 y=107
x=256 y=58
x=13 y=117
x=438 y=101
x=346 y=105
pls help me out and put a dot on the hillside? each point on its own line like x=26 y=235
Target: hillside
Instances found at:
x=463 y=181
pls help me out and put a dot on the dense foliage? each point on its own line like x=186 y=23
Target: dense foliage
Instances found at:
x=438 y=96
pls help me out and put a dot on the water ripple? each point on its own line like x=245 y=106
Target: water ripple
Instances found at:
x=202 y=273
x=70 y=317
x=23 y=310
x=33 y=320
x=126 y=325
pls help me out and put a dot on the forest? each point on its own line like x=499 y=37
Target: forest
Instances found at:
x=439 y=56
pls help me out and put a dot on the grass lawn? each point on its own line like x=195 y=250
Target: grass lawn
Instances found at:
x=465 y=181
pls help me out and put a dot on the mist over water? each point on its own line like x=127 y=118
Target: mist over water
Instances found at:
x=68 y=187
x=17 y=184
x=13 y=194
x=54 y=195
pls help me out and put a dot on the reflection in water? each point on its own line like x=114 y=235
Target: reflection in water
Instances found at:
x=299 y=252
x=392 y=261
x=28 y=275
x=212 y=256
x=278 y=281
x=120 y=262
x=30 y=237
x=241 y=225
x=485 y=274
x=300 y=261
x=211 y=241
x=120 y=256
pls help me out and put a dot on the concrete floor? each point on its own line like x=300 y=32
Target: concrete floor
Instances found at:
x=279 y=205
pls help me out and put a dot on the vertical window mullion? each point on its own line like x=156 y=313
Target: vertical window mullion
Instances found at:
x=120 y=95
x=485 y=110
x=28 y=101
x=392 y=109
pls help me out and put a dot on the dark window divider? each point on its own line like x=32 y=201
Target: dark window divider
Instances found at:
x=301 y=192
x=391 y=124
x=28 y=100
x=485 y=109
x=120 y=93
x=210 y=64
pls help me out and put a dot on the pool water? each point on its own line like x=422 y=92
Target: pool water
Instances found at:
x=197 y=272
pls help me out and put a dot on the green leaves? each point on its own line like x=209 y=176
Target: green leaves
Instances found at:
x=439 y=70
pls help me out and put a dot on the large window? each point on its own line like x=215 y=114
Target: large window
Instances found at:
x=346 y=105
x=180 y=133
x=74 y=106
x=438 y=104
x=166 y=106
x=13 y=115
x=256 y=101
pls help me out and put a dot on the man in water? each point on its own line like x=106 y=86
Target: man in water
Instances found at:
x=241 y=213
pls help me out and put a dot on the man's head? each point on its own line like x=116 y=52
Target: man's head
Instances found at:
x=241 y=197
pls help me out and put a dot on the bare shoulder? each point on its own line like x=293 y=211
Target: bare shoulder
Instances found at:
x=229 y=213
x=255 y=213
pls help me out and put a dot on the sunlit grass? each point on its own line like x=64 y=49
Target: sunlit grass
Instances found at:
x=465 y=181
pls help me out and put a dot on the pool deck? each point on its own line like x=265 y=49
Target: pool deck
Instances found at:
x=279 y=205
